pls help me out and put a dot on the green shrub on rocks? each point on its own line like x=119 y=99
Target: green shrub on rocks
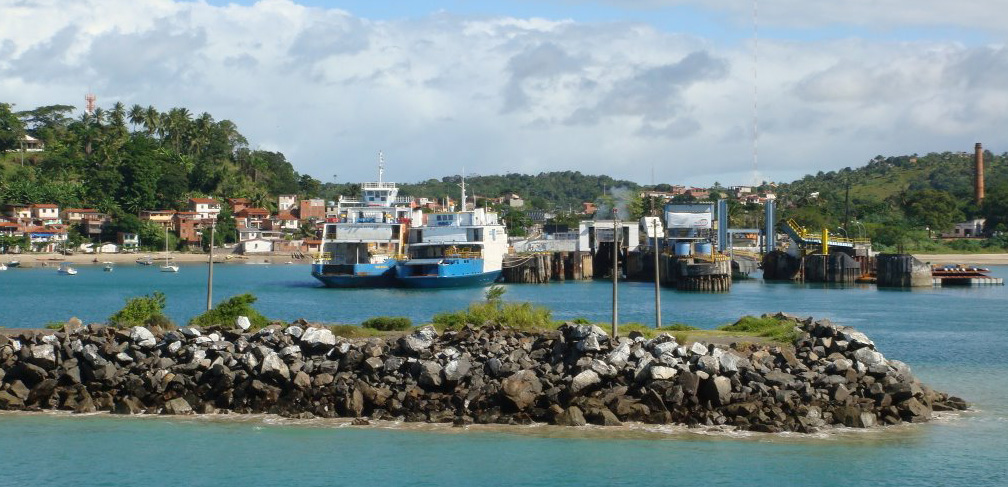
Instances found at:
x=522 y=316
x=777 y=329
x=227 y=312
x=147 y=310
x=388 y=323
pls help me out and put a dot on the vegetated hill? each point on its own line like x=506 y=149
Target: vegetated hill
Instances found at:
x=560 y=191
x=881 y=190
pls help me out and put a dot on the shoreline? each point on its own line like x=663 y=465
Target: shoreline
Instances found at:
x=626 y=431
x=222 y=257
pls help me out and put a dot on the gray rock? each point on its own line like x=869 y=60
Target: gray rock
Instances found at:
x=72 y=326
x=374 y=364
x=318 y=339
x=572 y=416
x=393 y=364
x=717 y=390
x=664 y=348
x=709 y=364
x=778 y=378
x=290 y=352
x=421 y=339
x=589 y=344
x=856 y=339
x=275 y=368
x=583 y=381
x=174 y=347
x=730 y=363
x=10 y=401
x=430 y=373
x=43 y=355
x=493 y=367
x=294 y=331
x=619 y=356
x=522 y=388
x=602 y=369
x=698 y=348
x=456 y=370
x=191 y=332
x=643 y=370
x=661 y=372
x=124 y=358
x=869 y=357
x=142 y=337
x=580 y=332
x=242 y=322
x=301 y=380
x=177 y=406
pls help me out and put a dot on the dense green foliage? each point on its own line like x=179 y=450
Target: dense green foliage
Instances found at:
x=147 y=310
x=124 y=161
x=900 y=202
x=781 y=330
x=225 y=314
x=388 y=323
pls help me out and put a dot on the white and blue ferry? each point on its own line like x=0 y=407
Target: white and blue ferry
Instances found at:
x=460 y=248
x=365 y=238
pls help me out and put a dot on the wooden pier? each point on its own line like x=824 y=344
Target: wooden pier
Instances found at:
x=542 y=267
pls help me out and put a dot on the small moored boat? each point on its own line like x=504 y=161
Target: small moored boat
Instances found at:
x=66 y=269
x=107 y=266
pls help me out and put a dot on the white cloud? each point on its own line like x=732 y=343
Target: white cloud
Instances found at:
x=501 y=94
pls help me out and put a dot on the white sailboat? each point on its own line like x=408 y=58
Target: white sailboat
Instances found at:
x=65 y=269
x=168 y=266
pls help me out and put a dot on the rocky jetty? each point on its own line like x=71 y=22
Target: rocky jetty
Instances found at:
x=575 y=375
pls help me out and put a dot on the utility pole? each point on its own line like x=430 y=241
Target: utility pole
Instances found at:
x=615 y=271
x=209 y=283
x=657 y=290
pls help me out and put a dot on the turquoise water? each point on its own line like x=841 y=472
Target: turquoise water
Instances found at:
x=952 y=337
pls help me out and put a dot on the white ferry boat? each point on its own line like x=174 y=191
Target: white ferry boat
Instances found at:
x=462 y=248
x=362 y=243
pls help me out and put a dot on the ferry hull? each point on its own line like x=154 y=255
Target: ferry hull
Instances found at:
x=471 y=280
x=362 y=275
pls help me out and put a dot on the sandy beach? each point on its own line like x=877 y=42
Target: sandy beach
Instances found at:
x=224 y=256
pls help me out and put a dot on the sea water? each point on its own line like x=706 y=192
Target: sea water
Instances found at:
x=953 y=338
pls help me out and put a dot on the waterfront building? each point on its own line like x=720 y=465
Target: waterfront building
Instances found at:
x=207 y=208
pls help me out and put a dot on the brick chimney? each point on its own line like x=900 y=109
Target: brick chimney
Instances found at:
x=979 y=176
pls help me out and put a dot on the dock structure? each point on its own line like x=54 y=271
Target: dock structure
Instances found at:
x=696 y=273
x=543 y=267
x=902 y=270
x=963 y=276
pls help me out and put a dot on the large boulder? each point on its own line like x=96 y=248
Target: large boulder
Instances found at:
x=241 y=322
x=661 y=372
x=522 y=389
x=869 y=357
x=316 y=339
x=717 y=390
x=274 y=367
x=572 y=416
x=584 y=381
x=430 y=373
x=456 y=370
x=418 y=341
x=43 y=355
x=618 y=356
x=142 y=337
x=177 y=406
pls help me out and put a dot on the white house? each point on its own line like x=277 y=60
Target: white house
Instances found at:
x=287 y=202
x=47 y=213
x=257 y=246
x=207 y=208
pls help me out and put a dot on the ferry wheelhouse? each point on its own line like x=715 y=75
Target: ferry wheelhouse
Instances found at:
x=363 y=241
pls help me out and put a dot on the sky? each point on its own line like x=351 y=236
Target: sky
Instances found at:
x=653 y=91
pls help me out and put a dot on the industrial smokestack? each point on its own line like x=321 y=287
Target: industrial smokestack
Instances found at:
x=978 y=157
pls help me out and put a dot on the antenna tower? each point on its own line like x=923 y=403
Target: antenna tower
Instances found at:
x=381 y=166
x=755 y=109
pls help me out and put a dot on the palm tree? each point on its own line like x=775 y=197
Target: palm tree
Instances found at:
x=136 y=115
x=152 y=120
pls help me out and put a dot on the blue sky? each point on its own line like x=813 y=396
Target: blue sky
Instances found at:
x=603 y=86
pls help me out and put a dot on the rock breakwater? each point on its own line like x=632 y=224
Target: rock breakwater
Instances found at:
x=575 y=375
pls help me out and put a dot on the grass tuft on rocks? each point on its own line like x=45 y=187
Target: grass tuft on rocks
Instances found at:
x=522 y=316
x=777 y=329
x=227 y=312
x=388 y=323
x=146 y=310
